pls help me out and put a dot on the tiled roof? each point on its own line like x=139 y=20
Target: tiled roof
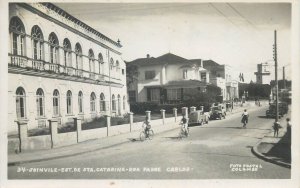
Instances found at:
x=168 y=58
x=207 y=63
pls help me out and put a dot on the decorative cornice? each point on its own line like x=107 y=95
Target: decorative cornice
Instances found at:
x=82 y=29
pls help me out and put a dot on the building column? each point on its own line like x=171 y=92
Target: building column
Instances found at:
x=53 y=123
x=163 y=115
x=148 y=115
x=23 y=136
x=175 y=113
x=108 y=124
x=130 y=120
x=77 y=123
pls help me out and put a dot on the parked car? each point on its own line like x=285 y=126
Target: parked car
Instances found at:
x=282 y=109
x=218 y=112
x=198 y=117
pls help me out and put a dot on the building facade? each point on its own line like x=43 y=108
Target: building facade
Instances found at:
x=165 y=79
x=59 y=67
x=224 y=77
x=264 y=74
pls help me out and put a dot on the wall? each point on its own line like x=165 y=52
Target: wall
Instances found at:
x=31 y=83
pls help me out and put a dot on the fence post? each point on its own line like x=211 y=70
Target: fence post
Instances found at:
x=77 y=123
x=185 y=111
x=130 y=120
x=108 y=123
x=53 y=132
x=192 y=109
x=175 y=113
x=148 y=114
x=163 y=115
x=22 y=131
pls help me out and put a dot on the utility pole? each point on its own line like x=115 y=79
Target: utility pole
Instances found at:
x=276 y=77
x=283 y=77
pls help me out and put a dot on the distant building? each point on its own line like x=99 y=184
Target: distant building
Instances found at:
x=264 y=74
x=59 y=67
x=166 y=79
x=224 y=77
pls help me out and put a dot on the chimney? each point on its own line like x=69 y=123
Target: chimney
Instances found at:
x=148 y=56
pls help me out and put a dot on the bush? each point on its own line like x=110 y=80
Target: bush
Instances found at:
x=39 y=131
x=141 y=107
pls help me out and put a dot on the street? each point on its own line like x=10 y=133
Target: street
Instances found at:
x=219 y=150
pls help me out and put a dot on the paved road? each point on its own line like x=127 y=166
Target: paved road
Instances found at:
x=210 y=152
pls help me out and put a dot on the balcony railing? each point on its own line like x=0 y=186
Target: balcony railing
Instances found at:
x=18 y=61
x=38 y=65
x=70 y=71
x=92 y=75
x=33 y=64
x=79 y=72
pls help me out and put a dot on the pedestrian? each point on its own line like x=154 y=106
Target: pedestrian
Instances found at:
x=276 y=128
x=245 y=117
x=288 y=127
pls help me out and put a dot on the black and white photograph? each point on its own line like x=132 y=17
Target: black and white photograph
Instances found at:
x=139 y=91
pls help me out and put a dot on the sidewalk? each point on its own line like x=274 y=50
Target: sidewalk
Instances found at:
x=82 y=147
x=90 y=145
x=276 y=150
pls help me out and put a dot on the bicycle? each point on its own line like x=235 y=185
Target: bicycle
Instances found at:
x=184 y=133
x=144 y=136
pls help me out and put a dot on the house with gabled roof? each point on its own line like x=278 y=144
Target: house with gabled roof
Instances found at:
x=165 y=79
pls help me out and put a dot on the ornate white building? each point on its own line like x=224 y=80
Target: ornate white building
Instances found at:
x=59 y=67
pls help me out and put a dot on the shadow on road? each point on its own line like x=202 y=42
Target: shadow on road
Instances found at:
x=282 y=150
x=173 y=137
x=264 y=117
x=234 y=128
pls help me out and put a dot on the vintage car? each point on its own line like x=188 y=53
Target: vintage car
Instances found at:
x=282 y=109
x=198 y=117
x=218 y=112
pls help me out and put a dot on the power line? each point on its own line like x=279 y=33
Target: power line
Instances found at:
x=220 y=12
x=235 y=10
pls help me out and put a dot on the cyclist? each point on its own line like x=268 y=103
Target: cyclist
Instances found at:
x=147 y=126
x=184 y=123
x=245 y=117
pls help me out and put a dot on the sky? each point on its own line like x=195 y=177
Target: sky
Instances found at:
x=237 y=34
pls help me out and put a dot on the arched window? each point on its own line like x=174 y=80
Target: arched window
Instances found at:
x=55 y=103
x=78 y=52
x=21 y=103
x=111 y=63
x=93 y=102
x=113 y=103
x=67 y=53
x=91 y=61
x=17 y=30
x=102 y=102
x=69 y=102
x=119 y=104
x=40 y=103
x=53 y=45
x=80 y=102
x=124 y=103
x=118 y=69
x=37 y=43
x=100 y=60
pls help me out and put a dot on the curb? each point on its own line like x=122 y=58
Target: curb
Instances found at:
x=78 y=153
x=255 y=151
